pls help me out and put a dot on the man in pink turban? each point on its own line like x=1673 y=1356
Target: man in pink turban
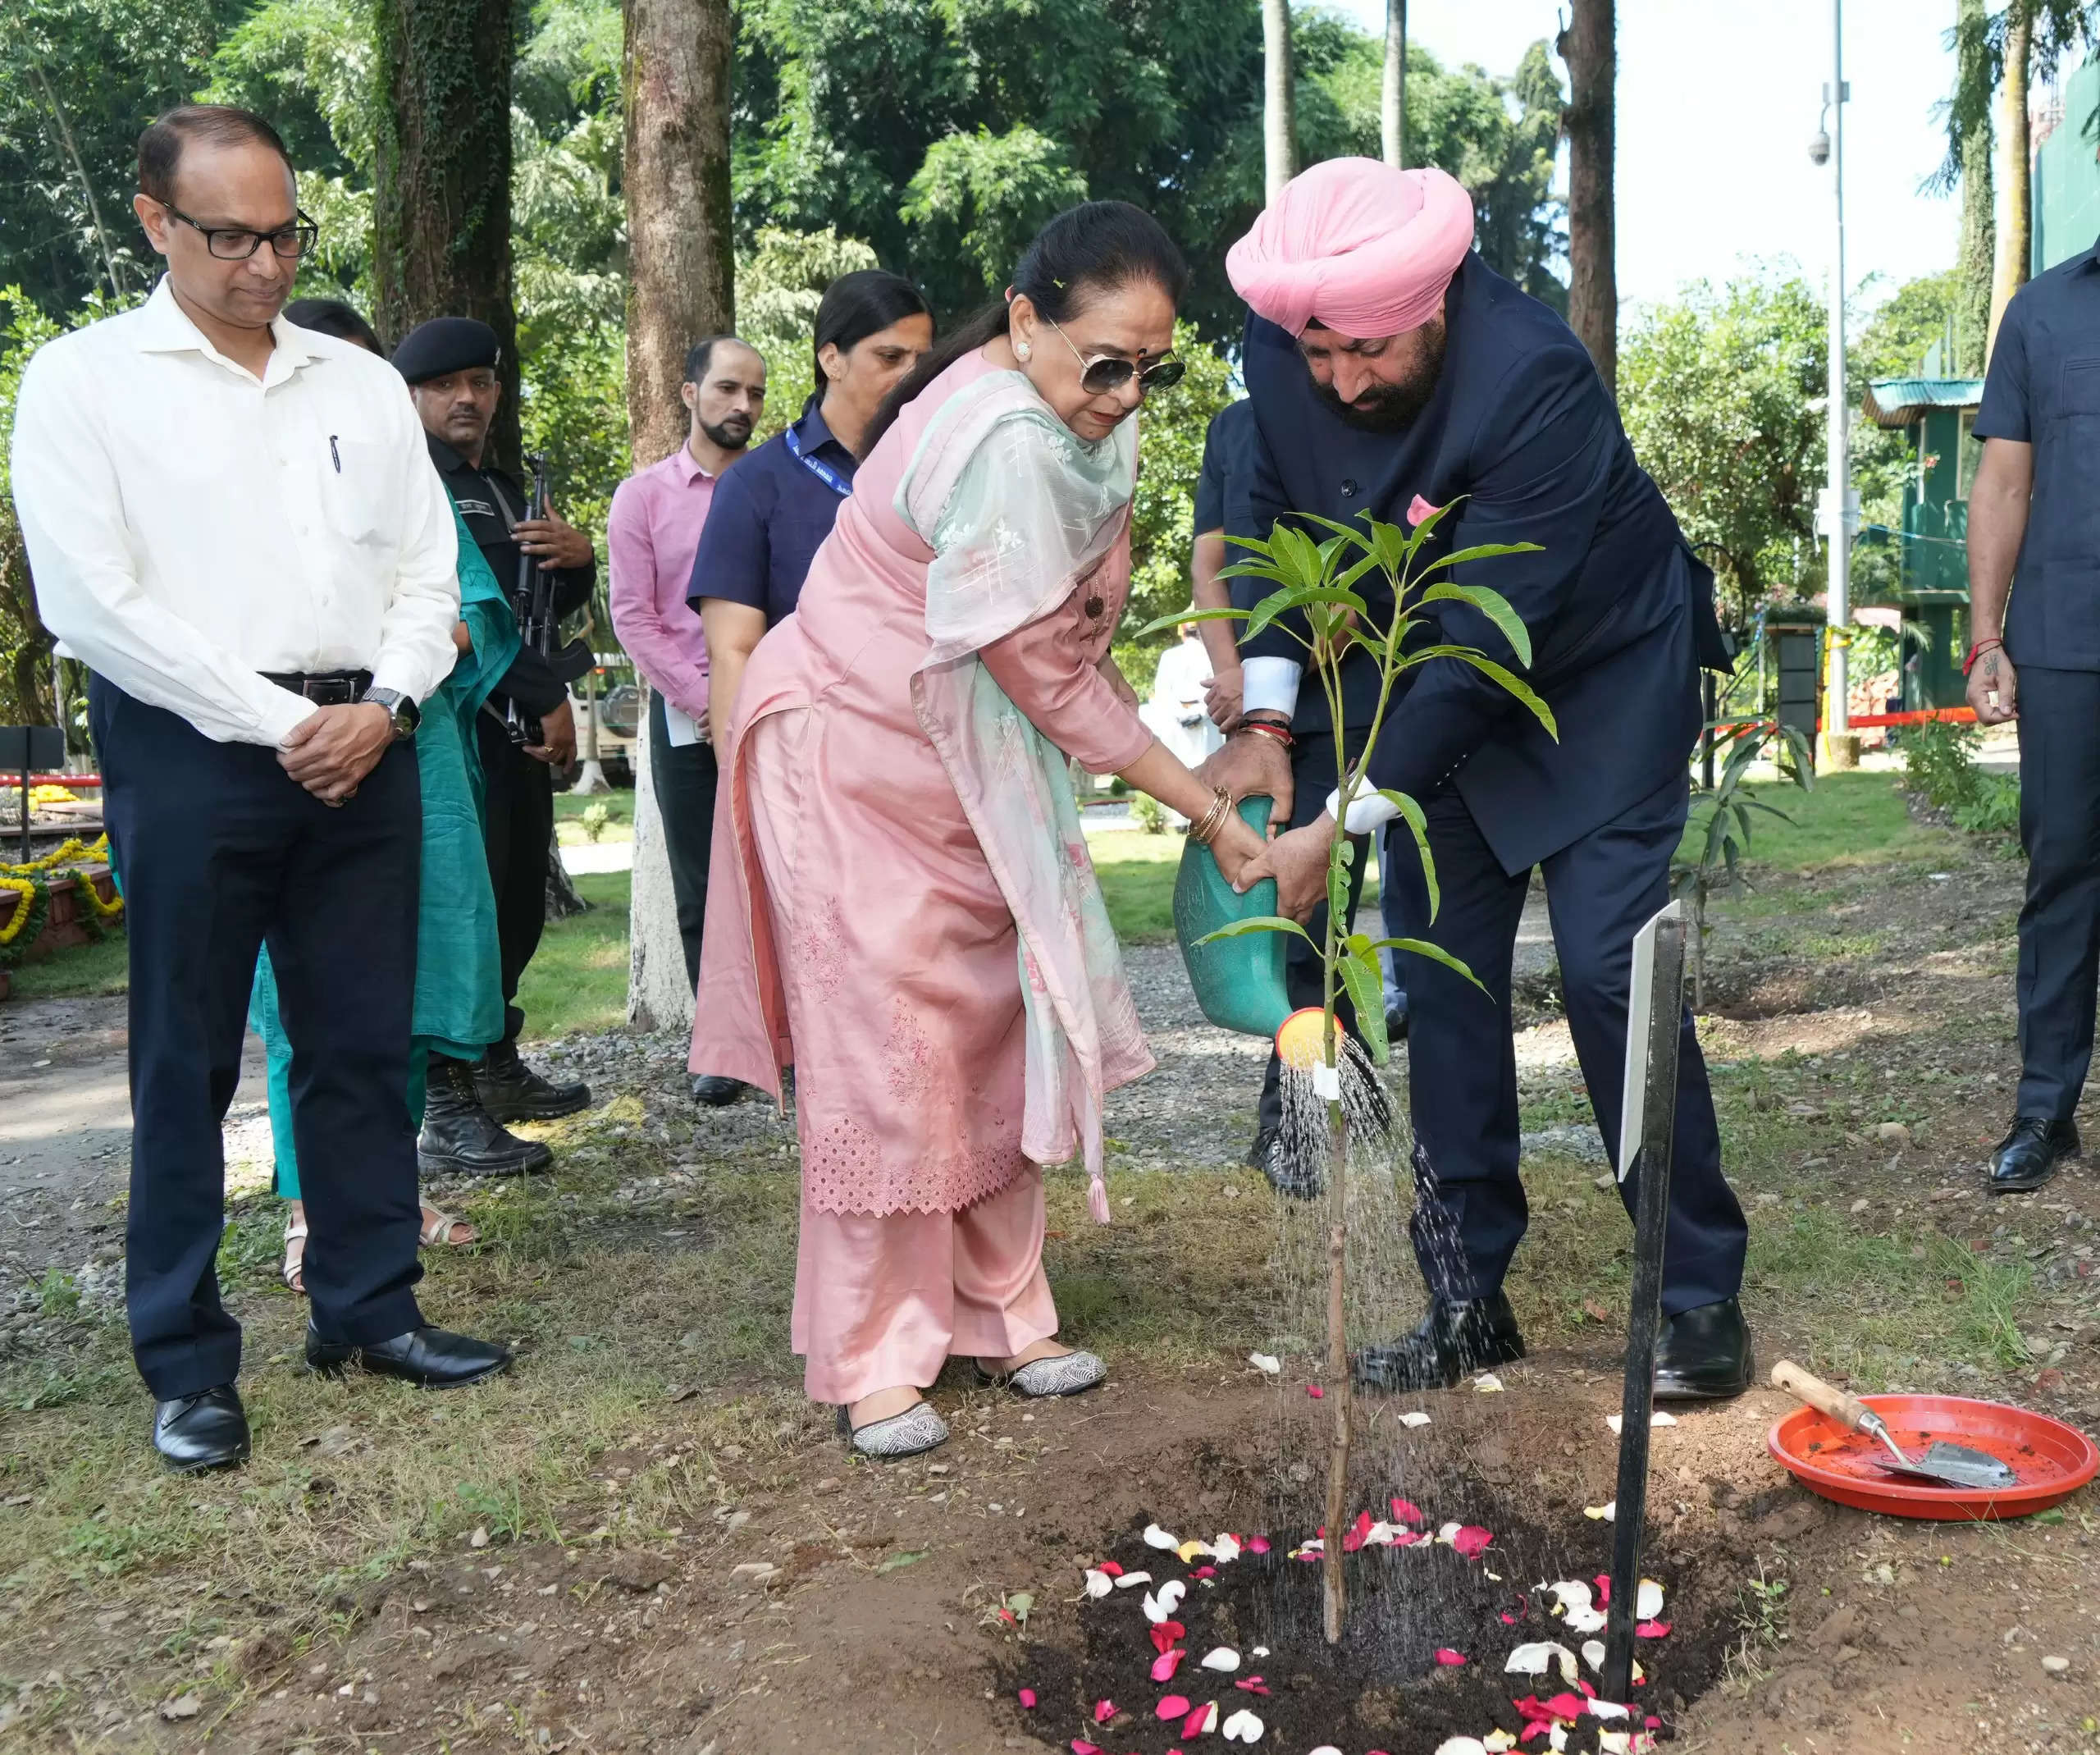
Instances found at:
x=1390 y=371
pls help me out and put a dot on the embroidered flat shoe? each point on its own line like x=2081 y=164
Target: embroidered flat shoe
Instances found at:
x=1060 y=1374
x=913 y=1432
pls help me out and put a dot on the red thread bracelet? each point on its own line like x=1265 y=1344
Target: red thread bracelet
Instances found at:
x=1977 y=651
x=1280 y=732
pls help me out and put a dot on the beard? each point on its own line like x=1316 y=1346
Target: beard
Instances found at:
x=732 y=435
x=1393 y=408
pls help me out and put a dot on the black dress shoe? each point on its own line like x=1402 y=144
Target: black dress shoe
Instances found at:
x=717 y=1092
x=511 y=1091
x=1396 y=1020
x=2027 y=1157
x=1705 y=1354
x=429 y=1358
x=1455 y=1338
x=206 y=1430
x=461 y=1138
x=1293 y=1181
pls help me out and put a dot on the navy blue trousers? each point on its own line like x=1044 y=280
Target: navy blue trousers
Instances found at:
x=1470 y=1211
x=2060 y=922
x=219 y=850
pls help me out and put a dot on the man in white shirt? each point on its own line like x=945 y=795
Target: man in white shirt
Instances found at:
x=235 y=525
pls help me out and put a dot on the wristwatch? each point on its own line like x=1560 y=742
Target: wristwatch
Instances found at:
x=404 y=713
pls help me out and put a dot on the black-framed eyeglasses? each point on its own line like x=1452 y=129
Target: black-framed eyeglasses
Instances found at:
x=1099 y=373
x=237 y=243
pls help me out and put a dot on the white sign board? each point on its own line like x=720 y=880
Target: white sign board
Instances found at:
x=1640 y=1012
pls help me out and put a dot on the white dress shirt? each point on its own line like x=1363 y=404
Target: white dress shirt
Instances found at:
x=1270 y=685
x=190 y=526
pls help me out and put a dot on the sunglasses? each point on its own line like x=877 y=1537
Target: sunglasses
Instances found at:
x=1099 y=373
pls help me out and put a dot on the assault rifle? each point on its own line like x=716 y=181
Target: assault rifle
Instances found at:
x=532 y=601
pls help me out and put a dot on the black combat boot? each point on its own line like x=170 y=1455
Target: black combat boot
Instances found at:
x=461 y=1138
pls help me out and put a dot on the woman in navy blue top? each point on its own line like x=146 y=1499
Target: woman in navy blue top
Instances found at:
x=774 y=510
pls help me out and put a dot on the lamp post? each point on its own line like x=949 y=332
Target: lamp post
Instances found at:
x=1837 y=514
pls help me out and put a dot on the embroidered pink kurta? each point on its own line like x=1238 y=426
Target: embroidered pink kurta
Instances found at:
x=871 y=944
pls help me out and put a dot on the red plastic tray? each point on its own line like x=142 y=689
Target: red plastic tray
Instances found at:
x=2052 y=1461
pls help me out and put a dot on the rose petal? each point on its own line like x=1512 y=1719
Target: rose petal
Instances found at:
x=1487 y=1384
x=1406 y=1511
x=1224 y=1657
x=1080 y=1746
x=1111 y=1568
x=1242 y=1727
x=1204 y=1572
x=1130 y=1580
x=1252 y=1685
x=1164 y=1665
x=1191 y=1548
x=1449 y=1658
x=1462 y=1746
x=1258 y=1544
x=1098 y=1583
x=1472 y=1540
x=1314 y=1391
x=1268 y=1363
x=1172 y=1707
x=1166 y=1634
x=1604 y=1514
x=1103 y=1710
x=1648 y=1603
x=1202 y=1720
x=1419 y=508
x=1225 y=1547
x=1155 y=1536
x=1414 y=1417
x=1604 y=1590
x=1027 y=1698
x=1171 y=1592
x=1651 y=1629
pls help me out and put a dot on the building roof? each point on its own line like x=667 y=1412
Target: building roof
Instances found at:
x=1899 y=401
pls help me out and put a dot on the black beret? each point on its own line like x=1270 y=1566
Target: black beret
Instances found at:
x=446 y=344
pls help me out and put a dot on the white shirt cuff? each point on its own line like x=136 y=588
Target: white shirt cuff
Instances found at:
x=1269 y=685
x=1368 y=811
x=280 y=718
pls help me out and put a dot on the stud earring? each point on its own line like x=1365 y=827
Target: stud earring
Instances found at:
x=1022 y=351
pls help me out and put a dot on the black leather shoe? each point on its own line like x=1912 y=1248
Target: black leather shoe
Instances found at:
x=1455 y=1338
x=208 y=1430
x=1294 y=1182
x=1705 y=1354
x=461 y=1138
x=511 y=1091
x=2027 y=1157
x=429 y=1358
x=1396 y=1020
x=717 y=1092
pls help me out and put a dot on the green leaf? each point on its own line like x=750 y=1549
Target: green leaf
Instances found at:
x=1481 y=551
x=895 y=1562
x=1411 y=813
x=1258 y=923
x=1514 y=684
x=1280 y=602
x=1435 y=953
x=1367 y=992
x=1176 y=621
x=1494 y=606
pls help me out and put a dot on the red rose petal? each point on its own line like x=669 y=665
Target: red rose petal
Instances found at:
x=1588 y=1692
x=1652 y=1630
x=1204 y=1572
x=1080 y=1746
x=1406 y=1511
x=1164 y=1665
x=1604 y=1590
x=1258 y=1544
x=1314 y=1391
x=1472 y=1540
x=1027 y=1698
x=1509 y=1620
x=1111 y=1568
x=1174 y=1705
x=1449 y=1658
x=1103 y=1710
x=1194 y=1725
x=1252 y=1685
x=1167 y=1634
x=1654 y=1723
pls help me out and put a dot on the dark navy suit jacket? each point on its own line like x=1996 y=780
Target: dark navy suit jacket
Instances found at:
x=1520 y=430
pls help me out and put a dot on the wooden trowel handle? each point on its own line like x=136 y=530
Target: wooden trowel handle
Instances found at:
x=1825 y=1398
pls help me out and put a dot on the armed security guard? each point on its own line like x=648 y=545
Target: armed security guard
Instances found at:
x=1390 y=371
x=526 y=727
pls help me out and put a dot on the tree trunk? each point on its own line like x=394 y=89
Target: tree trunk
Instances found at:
x=1589 y=47
x=80 y=172
x=1334 y=1590
x=2013 y=241
x=1280 y=98
x=441 y=179
x=1393 y=104
x=1976 y=267
x=563 y=901
x=681 y=286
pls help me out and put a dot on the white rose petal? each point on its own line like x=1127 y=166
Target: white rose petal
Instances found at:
x=1131 y=1580
x=1593 y=1654
x=1223 y=1658
x=1617 y=1421
x=1098 y=1583
x=1487 y=1384
x=1534 y=1659
x=1242 y=1727
x=1602 y=1513
x=1648 y=1601
x=1268 y=1364
x=1414 y=1417
x=1462 y=1746
x=1499 y=1740
x=1171 y=1592
x=1261 y=1651
x=1225 y=1547
x=1155 y=1536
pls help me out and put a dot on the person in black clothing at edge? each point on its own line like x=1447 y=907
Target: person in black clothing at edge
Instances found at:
x=2035 y=537
x=1390 y=371
x=450 y=366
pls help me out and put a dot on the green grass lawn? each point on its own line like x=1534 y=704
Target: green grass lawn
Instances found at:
x=1849 y=819
x=577 y=980
x=76 y=974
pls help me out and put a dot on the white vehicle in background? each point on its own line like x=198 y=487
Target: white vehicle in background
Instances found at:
x=608 y=705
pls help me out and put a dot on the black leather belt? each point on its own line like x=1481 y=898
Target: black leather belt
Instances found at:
x=326 y=688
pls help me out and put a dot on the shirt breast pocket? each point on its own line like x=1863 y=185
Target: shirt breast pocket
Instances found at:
x=2079 y=391
x=362 y=490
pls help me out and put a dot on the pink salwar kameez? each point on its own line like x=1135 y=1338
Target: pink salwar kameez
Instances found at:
x=903 y=908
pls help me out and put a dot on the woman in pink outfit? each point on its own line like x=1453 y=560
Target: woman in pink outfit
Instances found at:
x=909 y=917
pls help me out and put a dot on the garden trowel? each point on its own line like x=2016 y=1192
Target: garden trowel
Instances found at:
x=1942 y=1464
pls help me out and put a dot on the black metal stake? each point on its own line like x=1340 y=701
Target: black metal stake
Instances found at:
x=1651 y=1216
x=1712 y=703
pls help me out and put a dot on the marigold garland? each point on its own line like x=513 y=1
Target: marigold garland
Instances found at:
x=33 y=883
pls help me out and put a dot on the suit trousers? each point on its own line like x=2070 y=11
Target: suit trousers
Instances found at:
x=1315 y=774
x=518 y=823
x=684 y=778
x=220 y=852
x=2060 y=922
x=1470 y=1211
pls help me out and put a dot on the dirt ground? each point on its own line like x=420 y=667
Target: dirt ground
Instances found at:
x=645 y=1539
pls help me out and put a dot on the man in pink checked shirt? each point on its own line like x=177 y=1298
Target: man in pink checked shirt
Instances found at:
x=651 y=535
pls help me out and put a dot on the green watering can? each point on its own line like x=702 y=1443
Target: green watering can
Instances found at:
x=1238 y=981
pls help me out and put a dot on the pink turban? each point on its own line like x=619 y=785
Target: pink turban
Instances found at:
x=1365 y=249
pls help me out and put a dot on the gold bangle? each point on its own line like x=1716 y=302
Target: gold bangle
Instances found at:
x=1213 y=819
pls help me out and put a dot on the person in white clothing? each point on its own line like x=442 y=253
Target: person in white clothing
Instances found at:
x=235 y=523
x=1178 y=712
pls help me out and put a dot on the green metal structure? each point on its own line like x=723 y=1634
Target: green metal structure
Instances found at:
x=2067 y=175
x=1938 y=414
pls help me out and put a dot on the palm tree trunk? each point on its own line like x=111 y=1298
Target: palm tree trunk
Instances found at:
x=1279 y=104
x=1393 y=105
x=1589 y=46
x=1976 y=267
x=2014 y=243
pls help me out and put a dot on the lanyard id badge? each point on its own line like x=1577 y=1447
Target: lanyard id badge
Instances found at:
x=841 y=485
